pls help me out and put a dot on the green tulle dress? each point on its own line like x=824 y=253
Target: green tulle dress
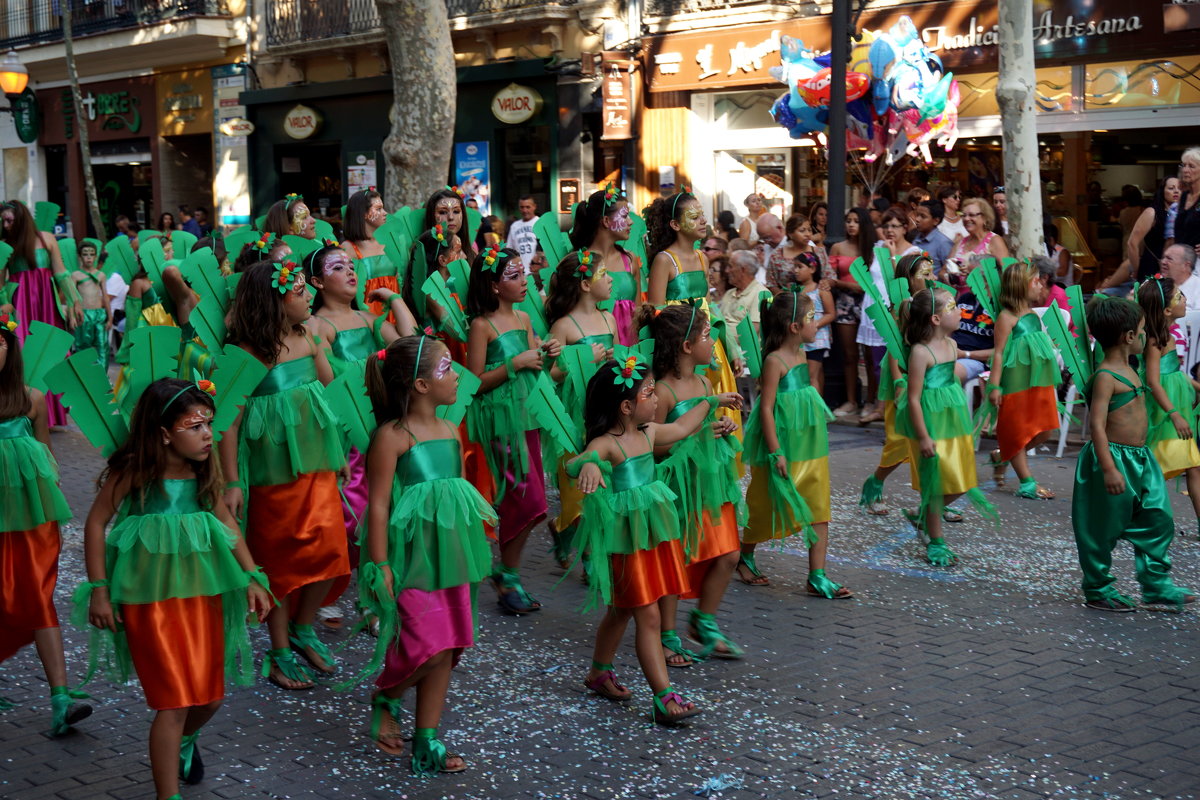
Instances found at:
x=1029 y=357
x=287 y=429
x=1173 y=454
x=499 y=419
x=168 y=548
x=436 y=537
x=702 y=470
x=354 y=345
x=29 y=493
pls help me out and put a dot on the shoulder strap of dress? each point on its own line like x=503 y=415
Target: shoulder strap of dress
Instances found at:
x=492 y=326
x=675 y=261
x=1120 y=378
x=576 y=324
x=607 y=325
x=932 y=354
x=357 y=253
x=617 y=442
x=779 y=358
x=646 y=436
x=674 y=396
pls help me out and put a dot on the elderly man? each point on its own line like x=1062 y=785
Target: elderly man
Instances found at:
x=741 y=300
x=770 y=236
x=1179 y=264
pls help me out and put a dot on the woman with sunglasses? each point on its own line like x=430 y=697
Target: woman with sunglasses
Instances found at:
x=951 y=226
x=981 y=240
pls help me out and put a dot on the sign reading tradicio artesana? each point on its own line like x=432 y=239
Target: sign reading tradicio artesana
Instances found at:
x=963 y=33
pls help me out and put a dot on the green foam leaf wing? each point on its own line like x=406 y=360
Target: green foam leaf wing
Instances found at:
x=203 y=274
x=300 y=246
x=121 y=258
x=86 y=392
x=324 y=230
x=413 y=220
x=44 y=347
x=635 y=245
x=454 y=321
x=474 y=220
x=45 y=214
x=6 y=252
x=236 y=375
x=550 y=236
x=460 y=277
x=238 y=238
x=69 y=252
x=547 y=410
x=751 y=346
x=9 y=291
x=468 y=387
x=182 y=242
x=153 y=354
x=889 y=331
x=208 y=318
x=347 y=398
x=862 y=273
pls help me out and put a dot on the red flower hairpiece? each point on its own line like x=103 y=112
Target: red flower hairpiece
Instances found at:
x=8 y=322
x=381 y=354
x=456 y=190
x=284 y=275
x=628 y=372
x=208 y=387
x=493 y=255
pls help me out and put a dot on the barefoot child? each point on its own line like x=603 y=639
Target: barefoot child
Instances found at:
x=97 y=315
x=630 y=527
x=171 y=584
x=424 y=547
x=31 y=506
x=1119 y=489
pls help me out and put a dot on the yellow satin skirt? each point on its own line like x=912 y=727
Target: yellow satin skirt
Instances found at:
x=811 y=479
x=1176 y=456
x=895 y=446
x=569 y=497
x=956 y=464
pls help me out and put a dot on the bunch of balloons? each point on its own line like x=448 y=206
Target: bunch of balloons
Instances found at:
x=899 y=98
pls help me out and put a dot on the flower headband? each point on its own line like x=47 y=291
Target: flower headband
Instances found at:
x=263 y=245
x=456 y=190
x=8 y=322
x=586 y=268
x=438 y=232
x=493 y=256
x=628 y=373
x=290 y=199
x=424 y=333
x=206 y=386
x=283 y=276
x=612 y=195
x=684 y=191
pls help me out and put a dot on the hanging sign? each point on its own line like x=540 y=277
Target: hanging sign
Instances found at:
x=515 y=104
x=302 y=122
x=237 y=126
x=616 y=91
x=25 y=116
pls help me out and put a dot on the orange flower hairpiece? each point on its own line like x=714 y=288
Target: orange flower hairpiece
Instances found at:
x=493 y=255
x=627 y=373
x=456 y=190
x=586 y=262
x=8 y=322
x=208 y=387
x=283 y=276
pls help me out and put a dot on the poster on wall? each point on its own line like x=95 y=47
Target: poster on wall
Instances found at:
x=471 y=173
x=361 y=174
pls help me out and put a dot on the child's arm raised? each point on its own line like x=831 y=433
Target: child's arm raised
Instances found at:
x=1102 y=390
x=667 y=434
x=101 y=612
x=918 y=363
x=1153 y=359
x=1004 y=326
x=388 y=444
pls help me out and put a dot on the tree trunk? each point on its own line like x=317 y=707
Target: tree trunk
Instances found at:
x=424 y=88
x=85 y=148
x=1015 y=95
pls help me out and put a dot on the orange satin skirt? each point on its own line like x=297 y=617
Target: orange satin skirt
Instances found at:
x=379 y=309
x=1023 y=416
x=643 y=577
x=716 y=539
x=178 y=650
x=475 y=468
x=296 y=532
x=28 y=573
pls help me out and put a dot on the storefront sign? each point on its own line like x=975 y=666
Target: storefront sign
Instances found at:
x=185 y=102
x=568 y=194
x=237 y=126
x=617 y=95
x=25 y=116
x=963 y=33
x=515 y=104
x=361 y=174
x=302 y=122
x=113 y=110
x=472 y=173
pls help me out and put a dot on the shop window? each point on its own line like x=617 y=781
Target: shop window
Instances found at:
x=977 y=93
x=525 y=167
x=739 y=111
x=1133 y=84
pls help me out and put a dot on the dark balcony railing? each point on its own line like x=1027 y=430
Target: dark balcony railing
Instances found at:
x=297 y=21
x=671 y=8
x=24 y=23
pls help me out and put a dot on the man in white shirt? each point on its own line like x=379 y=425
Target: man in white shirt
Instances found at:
x=520 y=232
x=770 y=236
x=741 y=300
x=1179 y=264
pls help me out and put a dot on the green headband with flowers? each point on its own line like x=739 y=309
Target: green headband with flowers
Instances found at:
x=587 y=265
x=284 y=275
x=628 y=373
x=8 y=322
x=494 y=256
x=291 y=199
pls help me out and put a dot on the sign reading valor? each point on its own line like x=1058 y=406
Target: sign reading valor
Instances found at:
x=515 y=104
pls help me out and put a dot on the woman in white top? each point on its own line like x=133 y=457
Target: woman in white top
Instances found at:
x=892 y=226
x=951 y=225
x=756 y=205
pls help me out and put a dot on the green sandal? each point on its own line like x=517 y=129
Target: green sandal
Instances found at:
x=6 y=704
x=668 y=695
x=392 y=706
x=64 y=712
x=560 y=543
x=671 y=641
x=292 y=669
x=191 y=767
x=820 y=586
x=705 y=632
x=429 y=754
x=513 y=599
x=305 y=642
x=939 y=554
x=747 y=560
x=1030 y=490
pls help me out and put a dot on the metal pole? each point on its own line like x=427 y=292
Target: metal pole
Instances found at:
x=1014 y=93
x=835 y=193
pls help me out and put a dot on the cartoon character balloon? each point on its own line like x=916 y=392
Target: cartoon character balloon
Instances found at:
x=908 y=75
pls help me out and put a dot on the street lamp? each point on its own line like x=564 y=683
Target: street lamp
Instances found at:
x=13 y=78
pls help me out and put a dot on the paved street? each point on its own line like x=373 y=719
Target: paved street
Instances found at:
x=989 y=680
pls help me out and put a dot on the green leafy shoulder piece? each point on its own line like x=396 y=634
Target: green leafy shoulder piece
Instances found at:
x=203 y=274
x=238 y=238
x=85 y=390
x=468 y=387
x=644 y=349
x=183 y=242
x=396 y=241
x=144 y=234
x=69 y=252
x=154 y=259
x=208 y=320
x=236 y=375
x=45 y=214
x=984 y=282
x=474 y=220
x=897 y=289
x=347 y=398
x=546 y=273
x=460 y=277
x=887 y=264
x=532 y=305
x=751 y=345
x=1074 y=347
x=862 y=274
x=121 y=258
x=45 y=346
x=153 y=354
x=9 y=290
x=555 y=244
x=635 y=245
x=323 y=230
x=455 y=321
x=889 y=331
x=413 y=220
x=546 y=409
x=6 y=252
x=300 y=246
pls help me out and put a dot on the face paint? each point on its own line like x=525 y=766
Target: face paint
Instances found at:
x=926 y=271
x=513 y=270
x=600 y=275
x=298 y=286
x=691 y=216
x=810 y=317
x=299 y=218
x=376 y=216
x=619 y=221
x=450 y=212
x=202 y=416
x=443 y=366
x=948 y=308
x=335 y=262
